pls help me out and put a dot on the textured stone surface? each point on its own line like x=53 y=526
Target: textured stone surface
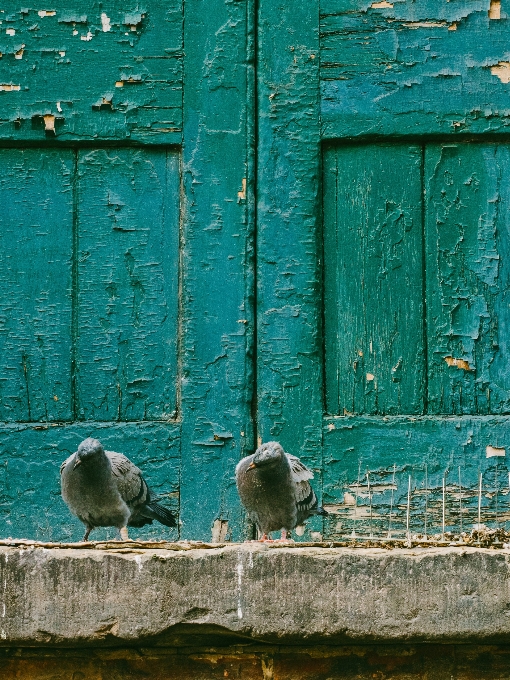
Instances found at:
x=322 y=595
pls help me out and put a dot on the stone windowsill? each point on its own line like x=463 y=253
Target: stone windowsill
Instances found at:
x=124 y=593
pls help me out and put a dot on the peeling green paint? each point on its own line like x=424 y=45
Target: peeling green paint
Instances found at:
x=92 y=72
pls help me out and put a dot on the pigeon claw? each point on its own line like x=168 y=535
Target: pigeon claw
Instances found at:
x=124 y=534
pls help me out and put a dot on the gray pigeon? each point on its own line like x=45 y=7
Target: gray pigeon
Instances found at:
x=274 y=489
x=105 y=489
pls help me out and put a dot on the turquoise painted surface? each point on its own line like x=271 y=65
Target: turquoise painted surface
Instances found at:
x=126 y=307
x=417 y=453
x=217 y=291
x=400 y=68
x=30 y=457
x=373 y=281
x=127 y=288
x=36 y=245
x=91 y=71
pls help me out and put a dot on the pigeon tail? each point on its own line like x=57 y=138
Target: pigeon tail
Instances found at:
x=159 y=512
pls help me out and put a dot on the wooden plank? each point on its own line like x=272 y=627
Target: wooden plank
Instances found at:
x=36 y=239
x=218 y=265
x=468 y=275
x=84 y=72
x=427 y=449
x=30 y=458
x=128 y=280
x=373 y=307
x=413 y=68
x=289 y=275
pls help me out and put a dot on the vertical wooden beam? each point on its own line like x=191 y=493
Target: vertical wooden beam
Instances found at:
x=216 y=307
x=289 y=228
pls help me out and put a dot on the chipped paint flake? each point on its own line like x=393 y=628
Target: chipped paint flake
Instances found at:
x=105 y=21
x=9 y=88
x=370 y=377
x=119 y=83
x=495 y=9
x=10 y=31
x=459 y=363
x=492 y=451
x=381 y=5
x=19 y=53
x=502 y=71
x=425 y=24
x=87 y=37
x=59 y=107
x=46 y=13
x=62 y=53
x=49 y=123
x=241 y=195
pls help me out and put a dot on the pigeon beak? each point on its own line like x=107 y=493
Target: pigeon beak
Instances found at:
x=78 y=462
x=251 y=466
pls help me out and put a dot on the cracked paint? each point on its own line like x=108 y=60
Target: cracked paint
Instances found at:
x=437 y=75
x=88 y=66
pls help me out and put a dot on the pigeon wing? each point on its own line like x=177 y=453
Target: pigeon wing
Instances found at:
x=300 y=473
x=130 y=483
x=306 y=500
x=67 y=460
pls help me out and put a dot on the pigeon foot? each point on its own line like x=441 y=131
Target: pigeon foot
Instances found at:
x=124 y=534
x=285 y=538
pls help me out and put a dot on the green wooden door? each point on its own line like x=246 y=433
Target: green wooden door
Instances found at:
x=125 y=254
x=384 y=257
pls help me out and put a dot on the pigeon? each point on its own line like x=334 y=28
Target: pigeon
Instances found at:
x=105 y=489
x=274 y=489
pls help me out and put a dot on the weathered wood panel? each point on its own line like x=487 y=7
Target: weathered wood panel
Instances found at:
x=397 y=68
x=373 y=284
x=88 y=72
x=426 y=449
x=289 y=272
x=217 y=265
x=128 y=281
x=468 y=277
x=36 y=246
x=30 y=458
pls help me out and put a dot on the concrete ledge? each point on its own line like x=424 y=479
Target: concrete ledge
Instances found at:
x=123 y=594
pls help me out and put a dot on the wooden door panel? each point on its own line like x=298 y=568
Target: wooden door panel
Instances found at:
x=150 y=226
x=373 y=283
x=468 y=274
x=128 y=284
x=397 y=68
x=36 y=260
x=338 y=76
x=89 y=73
x=420 y=453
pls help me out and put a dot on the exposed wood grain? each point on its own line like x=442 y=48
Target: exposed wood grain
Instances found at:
x=468 y=277
x=429 y=449
x=373 y=304
x=98 y=71
x=36 y=239
x=30 y=457
x=128 y=279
